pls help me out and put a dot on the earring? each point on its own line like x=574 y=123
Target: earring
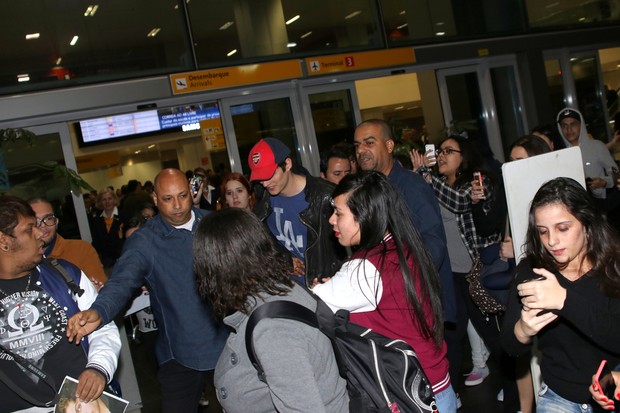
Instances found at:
x=5 y=248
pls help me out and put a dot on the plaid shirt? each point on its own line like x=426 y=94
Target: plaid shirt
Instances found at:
x=458 y=201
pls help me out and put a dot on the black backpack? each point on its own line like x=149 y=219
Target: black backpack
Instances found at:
x=382 y=374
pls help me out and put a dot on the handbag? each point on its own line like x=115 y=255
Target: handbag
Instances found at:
x=489 y=279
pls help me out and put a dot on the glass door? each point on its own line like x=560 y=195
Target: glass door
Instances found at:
x=248 y=119
x=485 y=102
x=42 y=164
x=333 y=113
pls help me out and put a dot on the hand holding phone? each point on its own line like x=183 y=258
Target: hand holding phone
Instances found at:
x=429 y=152
x=604 y=380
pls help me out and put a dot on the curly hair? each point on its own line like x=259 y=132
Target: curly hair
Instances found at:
x=602 y=240
x=236 y=259
x=379 y=208
x=11 y=208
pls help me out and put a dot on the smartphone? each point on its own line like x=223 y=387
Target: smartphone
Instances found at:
x=539 y=278
x=478 y=177
x=194 y=183
x=605 y=381
x=429 y=151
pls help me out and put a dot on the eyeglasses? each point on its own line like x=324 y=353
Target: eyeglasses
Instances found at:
x=48 y=220
x=446 y=151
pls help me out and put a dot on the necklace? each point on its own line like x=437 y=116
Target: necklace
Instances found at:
x=25 y=289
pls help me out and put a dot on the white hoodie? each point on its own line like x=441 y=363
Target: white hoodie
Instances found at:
x=597 y=161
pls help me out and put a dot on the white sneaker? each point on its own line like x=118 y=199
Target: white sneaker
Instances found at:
x=477 y=376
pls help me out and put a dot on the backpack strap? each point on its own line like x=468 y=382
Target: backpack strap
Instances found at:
x=60 y=270
x=275 y=309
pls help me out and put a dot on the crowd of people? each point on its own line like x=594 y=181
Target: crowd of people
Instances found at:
x=393 y=246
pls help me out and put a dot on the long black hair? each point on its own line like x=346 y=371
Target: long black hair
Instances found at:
x=533 y=145
x=601 y=239
x=379 y=208
x=236 y=258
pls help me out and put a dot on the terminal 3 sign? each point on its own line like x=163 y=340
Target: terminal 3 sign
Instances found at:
x=289 y=69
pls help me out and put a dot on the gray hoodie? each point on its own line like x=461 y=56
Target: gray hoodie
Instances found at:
x=597 y=161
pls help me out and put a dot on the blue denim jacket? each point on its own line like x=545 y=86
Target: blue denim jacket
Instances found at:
x=160 y=257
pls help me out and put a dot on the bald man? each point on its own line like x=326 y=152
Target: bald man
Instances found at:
x=159 y=256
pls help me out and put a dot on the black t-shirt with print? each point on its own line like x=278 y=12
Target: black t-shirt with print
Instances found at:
x=33 y=325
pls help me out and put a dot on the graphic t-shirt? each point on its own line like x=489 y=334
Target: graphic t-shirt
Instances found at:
x=284 y=223
x=33 y=325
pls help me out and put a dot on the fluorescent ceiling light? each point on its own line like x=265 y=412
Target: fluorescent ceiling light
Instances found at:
x=74 y=40
x=91 y=10
x=303 y=36
x=399 y=108
x=137 y=152
x=151 y=146
x=352 y=15
x=58 y=61
x=292 y=19
x=153 y=32
x=403 y=12
x=440 y=33
x=291 y=44
x=582 y=19
x=439 y=23
x=232 y=52
x=23 y=78
x=31 y=36
x=226 y=25
x=402 y=26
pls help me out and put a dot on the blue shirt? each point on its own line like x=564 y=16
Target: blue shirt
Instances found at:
x=285 y=225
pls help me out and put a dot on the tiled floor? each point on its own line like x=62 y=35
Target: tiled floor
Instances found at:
x=476 y=399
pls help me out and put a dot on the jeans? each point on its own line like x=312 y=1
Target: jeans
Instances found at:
x=550 y=402
x=446 y=401
x=180 y=387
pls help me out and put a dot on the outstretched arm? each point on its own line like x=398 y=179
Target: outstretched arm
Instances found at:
x=82 y=324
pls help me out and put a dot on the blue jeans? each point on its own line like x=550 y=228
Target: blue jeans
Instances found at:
x=446 y=401
x=550 y=402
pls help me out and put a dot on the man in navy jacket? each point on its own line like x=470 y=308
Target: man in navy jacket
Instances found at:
x=159 y=255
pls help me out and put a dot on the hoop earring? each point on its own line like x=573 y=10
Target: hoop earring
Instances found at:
x=5 y=248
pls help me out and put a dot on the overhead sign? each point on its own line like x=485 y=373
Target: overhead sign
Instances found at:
x=322 y=65
x=234 y=76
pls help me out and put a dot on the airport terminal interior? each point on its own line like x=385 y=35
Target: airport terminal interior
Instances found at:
x=96 y=94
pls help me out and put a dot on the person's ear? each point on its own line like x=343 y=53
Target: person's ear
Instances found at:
x=154 y=195
x=289 y=164
x=322 y=175
x=390 y=145
x=4 y=242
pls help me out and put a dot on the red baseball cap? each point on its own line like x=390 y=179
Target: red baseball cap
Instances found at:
x=265 y=157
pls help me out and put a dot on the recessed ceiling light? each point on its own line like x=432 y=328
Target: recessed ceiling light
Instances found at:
x=23 y=77
x=137 y=152
x=440 y=33
x=91 y=10
x=352 y=15
x=292 y=19
x=58 y=61
x=403 y=12
x=232 y=52
x=151 y=146
x=153 y=32
x=291 y=44
x=402 y=26
x=31 y=36
x=226 y=25
x=303 y=36
x=74 y=40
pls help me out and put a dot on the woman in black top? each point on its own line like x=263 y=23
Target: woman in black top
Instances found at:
x=567 y=294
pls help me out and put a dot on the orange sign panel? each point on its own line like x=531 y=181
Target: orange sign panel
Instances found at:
x=234 y=76
x=321 y=65
x=213 y=134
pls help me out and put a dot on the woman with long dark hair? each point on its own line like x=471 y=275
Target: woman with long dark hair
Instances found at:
x=567 y=294
x=390 y=284
x=237 y=192
x=461 y=195
x=239 y=268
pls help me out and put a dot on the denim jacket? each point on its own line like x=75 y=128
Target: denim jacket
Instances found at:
x=160 y=256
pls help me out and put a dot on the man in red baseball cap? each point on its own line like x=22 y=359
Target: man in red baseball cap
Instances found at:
x=296 y=208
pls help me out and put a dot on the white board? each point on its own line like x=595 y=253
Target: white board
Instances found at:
x=524 y=177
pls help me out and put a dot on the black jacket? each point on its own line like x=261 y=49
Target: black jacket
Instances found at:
x=323 y=255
